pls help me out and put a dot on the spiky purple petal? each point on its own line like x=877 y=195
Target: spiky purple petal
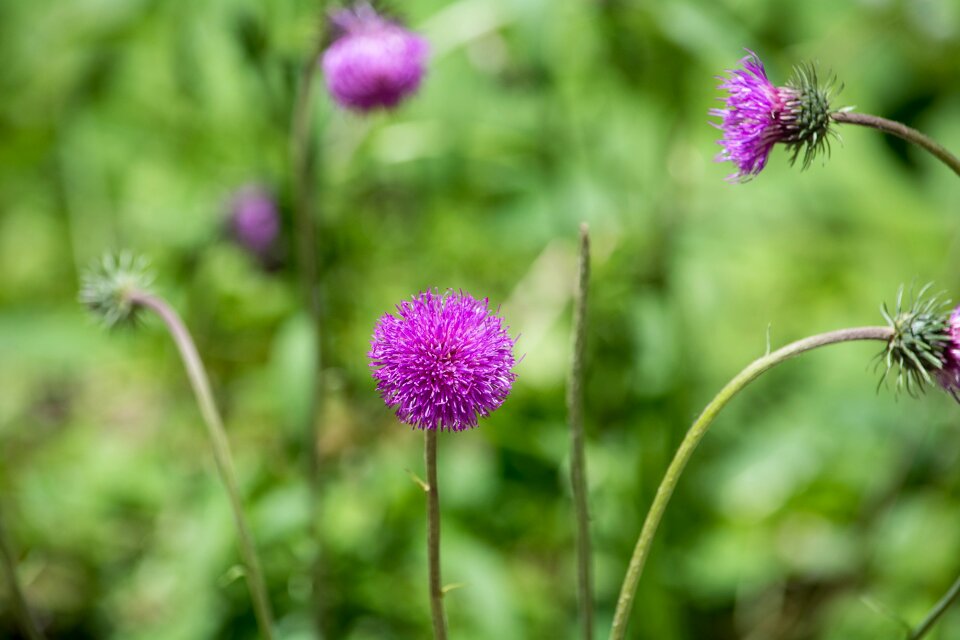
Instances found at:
x=442 y=361
x=755 y=118
x=949 y=375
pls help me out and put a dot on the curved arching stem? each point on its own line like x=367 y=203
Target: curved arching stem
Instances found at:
x=695 y=435
x=197 y=375
x=901 y=131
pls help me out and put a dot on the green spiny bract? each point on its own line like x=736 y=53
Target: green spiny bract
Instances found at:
x=107 y=287
x=809 y=109
x=921 y=335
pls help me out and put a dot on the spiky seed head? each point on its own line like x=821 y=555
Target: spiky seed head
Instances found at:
x=108 y=284
x=918 y=349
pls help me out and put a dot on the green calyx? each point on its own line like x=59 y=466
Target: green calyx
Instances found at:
x=807 y=122
x=107 y=287
x=917 y=348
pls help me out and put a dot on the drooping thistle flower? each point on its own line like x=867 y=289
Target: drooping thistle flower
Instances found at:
x=254 y=220
x=106 y=288
x=373 y=63
x=924 y=347
x=759 y=115
x=443 y=361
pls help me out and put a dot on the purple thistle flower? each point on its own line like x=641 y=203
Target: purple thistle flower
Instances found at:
x=373 y=63
x=949 y=375
x=254 y=220
x=442 y=361
x=758 y=115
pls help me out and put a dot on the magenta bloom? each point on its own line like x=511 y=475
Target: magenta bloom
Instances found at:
x=254 y=220
x=443 y=361
x=758 y=115
x=949 y=375
x=373 y=63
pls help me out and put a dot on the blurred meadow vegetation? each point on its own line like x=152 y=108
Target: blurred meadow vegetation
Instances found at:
x=816 y=508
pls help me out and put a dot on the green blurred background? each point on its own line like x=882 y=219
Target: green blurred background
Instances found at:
x=816 y=508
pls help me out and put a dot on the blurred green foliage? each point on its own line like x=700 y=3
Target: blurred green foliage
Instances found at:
x=815 y=505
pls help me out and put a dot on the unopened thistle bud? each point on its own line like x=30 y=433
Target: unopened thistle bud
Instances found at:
x=373 y=63
x=108 y=286
x=442 y=361
x=923 y=348
x=759 y=115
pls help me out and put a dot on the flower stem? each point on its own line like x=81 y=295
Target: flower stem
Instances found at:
x=303 y=165
x=578 y=474
x=951 y=596
x=433 y=537
x=693 y=438
x=901 y=131
x=28 y=623
x=221 y=449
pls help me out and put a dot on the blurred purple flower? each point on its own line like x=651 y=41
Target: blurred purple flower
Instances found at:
x=758 y=115
x=254 y=220
x=442 y=361
x=373 y=63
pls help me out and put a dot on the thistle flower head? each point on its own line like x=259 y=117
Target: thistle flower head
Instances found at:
x=442 y=361
x=759 y=115
x=106 y=287
x=373 y=63
x=254 y=220
x=949 y=376
x=920 y=349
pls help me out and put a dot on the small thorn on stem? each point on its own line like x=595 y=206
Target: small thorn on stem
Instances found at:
x=423 y=485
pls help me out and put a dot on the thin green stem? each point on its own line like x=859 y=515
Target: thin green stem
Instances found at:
x=21 y=610
x=695 y=435
x=901 y=131
x=303 y=160
x=433 y=537
x=578 y=473
x=951 y=596
x=303 y=165
x=221 y=449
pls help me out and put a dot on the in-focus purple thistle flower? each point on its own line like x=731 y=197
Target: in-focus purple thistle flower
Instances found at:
x=949 y=375
x=442 y=361
x=254 y=220
x=373 y=63
x=758 y=115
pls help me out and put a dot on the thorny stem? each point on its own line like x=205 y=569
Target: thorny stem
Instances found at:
x=221 y=450
x=901 y=131
x=695 y=435
x=28 y=623
x=303 y=161
x=578 y=474
x=938 y=610
x=433 y=537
